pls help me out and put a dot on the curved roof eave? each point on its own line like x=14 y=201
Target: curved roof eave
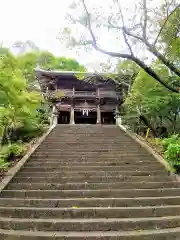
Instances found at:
x=69 y=73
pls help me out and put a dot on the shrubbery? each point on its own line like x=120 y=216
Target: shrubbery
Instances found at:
x=22 y=117
x=171 y=150
x=9 y=153
x=12 y=151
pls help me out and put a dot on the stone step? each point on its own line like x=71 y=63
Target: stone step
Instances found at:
x=88 y=145
x=96 y=183
x=100 y=193
x=98 y=224
x=93 y=173
x=90 y=212
x=159 y=234
x=73 y=168
x=80 y=143
x=94 y=135
x=86 y=185
x=90 y=159
x=91 y=179
x=107 y=152
x=89 y=202
x=79 y=163
x=94 y=155
x=93 y=143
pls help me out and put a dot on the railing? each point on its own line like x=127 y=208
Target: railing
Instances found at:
x=72 y=94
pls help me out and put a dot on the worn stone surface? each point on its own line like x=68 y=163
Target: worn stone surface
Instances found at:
x=90 y=182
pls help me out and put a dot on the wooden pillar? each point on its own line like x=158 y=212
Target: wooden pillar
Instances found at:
x=98 y=114
x=72 y=115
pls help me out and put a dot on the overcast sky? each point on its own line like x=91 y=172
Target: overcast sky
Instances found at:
x=39 y=21
x=36 y=20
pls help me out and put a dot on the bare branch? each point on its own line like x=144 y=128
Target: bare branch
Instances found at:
x=148 y=69
x=127 y=43
x=153 y=50
x=164 y=24
x=168 y=7
x=150 y=47
x=89 y=24
x=144 y=27
x=133 y=35
x=123 y=28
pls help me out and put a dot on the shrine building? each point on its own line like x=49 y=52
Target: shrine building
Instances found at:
x=95 y=99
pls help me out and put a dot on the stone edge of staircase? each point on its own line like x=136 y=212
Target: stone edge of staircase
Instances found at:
x=15 y=169
x=156 y=155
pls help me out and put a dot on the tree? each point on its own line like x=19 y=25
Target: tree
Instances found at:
x=46 y=60
x=129 y=69
x=152 y=103
x=142 y=32
x=17 y=105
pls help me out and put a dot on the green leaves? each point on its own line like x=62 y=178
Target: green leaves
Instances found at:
x=152 y=100
x=17 y=104
x=172 y=151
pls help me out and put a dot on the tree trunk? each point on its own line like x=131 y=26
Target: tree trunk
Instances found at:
x=148 y=124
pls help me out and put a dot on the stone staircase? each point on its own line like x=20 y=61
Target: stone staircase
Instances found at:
x=90 y=182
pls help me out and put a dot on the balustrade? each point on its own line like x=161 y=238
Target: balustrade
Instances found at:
x=76 y=94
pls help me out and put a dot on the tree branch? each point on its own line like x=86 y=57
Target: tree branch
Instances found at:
x=149 y=70
x=151 y=47
x=164 y=24
x=153 y=50
x=145 y=19
x=123 y=28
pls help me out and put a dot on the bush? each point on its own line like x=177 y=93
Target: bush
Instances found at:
x=27 y=132
x=3 y=163
x=172 y=154
x=171 y=147
x=171 y=140
x=11 y=152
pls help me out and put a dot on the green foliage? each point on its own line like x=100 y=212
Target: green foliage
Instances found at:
x=150 y=99
x=59 y=94
x=10 y=152
x=171 y=148
x=170 y=35
x=172 y=154
x=174 y=139
x=46 y=60
x=127 y=67
x=23 y=113
x=18 y=106
x=3 y=163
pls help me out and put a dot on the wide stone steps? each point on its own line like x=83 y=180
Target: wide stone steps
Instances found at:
x=168 y=233
x=98 y=224
x=90 y=182
x=84 y=193
x=90 y=168
x=89 y=202
x=86 y=185
x=89 y=164
x=91 y=179
x=93 y=158
x=90 y=212
x=93 y=173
